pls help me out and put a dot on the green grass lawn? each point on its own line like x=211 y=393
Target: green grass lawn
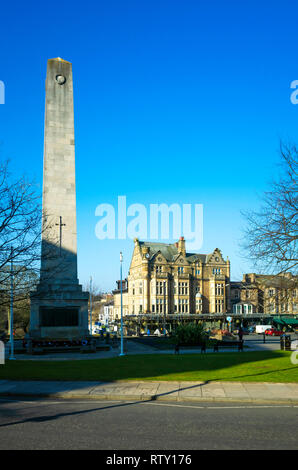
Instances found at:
x=265 y=366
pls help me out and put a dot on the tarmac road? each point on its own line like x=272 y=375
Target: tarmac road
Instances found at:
x=111 y=425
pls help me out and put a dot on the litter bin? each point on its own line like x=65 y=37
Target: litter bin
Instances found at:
x=282 y=342
x=288 y=343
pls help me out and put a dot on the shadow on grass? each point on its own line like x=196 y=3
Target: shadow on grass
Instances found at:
x=184 y=367
x=43 y=419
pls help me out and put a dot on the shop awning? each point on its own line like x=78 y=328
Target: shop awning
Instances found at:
x=285 y=320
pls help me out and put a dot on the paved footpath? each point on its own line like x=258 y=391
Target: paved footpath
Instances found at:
x=286 y=393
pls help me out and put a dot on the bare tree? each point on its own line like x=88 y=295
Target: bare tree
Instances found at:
x=96 y=291
x=20 y=228
x=20 y=235
x=272 y=232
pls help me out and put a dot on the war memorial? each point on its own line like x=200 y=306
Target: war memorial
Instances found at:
x=59 y=307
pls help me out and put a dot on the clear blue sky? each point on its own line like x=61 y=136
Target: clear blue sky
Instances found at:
x=175 y=101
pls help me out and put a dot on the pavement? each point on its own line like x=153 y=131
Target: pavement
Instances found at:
x=286 y=393
x=254 y=392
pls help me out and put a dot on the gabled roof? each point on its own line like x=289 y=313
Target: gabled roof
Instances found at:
x=170 y=252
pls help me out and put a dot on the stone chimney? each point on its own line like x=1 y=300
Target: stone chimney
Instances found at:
x=181 y=246
x=249 y=278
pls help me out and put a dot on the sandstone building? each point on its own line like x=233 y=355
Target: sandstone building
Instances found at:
x=165 y=279
x=266 y=294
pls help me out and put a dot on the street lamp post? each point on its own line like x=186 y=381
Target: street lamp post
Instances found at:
x=90 y=315
x=164 y=301
x=121 y=308
x=11 y=309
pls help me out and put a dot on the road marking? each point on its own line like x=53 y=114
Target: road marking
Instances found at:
x=152 y=403
x=216 y=407
x=58 y=402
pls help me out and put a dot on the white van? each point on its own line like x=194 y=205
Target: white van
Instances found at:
x=262 y=328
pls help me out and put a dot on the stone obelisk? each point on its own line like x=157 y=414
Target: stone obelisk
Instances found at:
x=59 y=307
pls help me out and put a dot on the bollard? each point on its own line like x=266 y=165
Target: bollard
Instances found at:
x=288 y=343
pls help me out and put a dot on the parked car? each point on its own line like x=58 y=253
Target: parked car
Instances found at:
x=260 y=329
x=273 y=332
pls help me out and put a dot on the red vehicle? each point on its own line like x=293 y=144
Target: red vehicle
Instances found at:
x=273 y=332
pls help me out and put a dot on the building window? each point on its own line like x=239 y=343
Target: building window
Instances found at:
x=198 y=303
x=141 y=288
x=160 y=288
x=183 y=306
x=219 y=289
x=237 y=309
x=272 y=308
x=158 y=269
x=183 y=288
x=198 y=272
x=247 y=309
x=218 y=306
x=180 y=269
x=271 y=292
x=159 y=306
x=216 y=270
x=153 y=308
